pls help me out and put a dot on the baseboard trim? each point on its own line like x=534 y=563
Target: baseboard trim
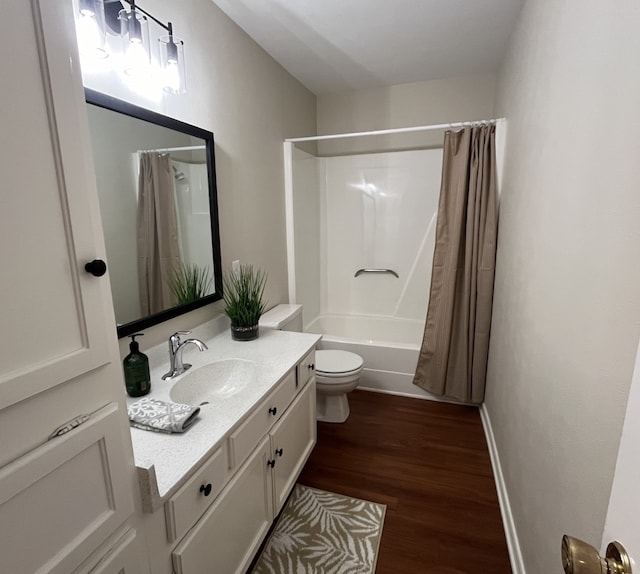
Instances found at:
x=423 y=397
x=513 y=544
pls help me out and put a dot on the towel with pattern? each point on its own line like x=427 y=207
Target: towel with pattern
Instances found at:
x=160 y=416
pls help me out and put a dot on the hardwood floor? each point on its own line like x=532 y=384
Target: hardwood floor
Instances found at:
x=429 y=463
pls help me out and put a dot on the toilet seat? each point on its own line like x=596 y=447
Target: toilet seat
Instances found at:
x=336 y=364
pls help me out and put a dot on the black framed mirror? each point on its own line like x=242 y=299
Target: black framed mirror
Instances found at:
x=156 y=184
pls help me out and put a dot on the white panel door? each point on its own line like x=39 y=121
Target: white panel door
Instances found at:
x=59 y=502
x=56 y=318
x=623 y=516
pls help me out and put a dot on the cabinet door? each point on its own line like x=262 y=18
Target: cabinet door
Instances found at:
x=258 y=423
x=292 y=440
x=57 y=319
x=59 y=502
x=226 y=538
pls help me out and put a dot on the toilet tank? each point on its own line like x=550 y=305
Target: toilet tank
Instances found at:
x=283 y=317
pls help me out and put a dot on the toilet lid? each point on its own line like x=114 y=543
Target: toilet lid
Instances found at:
x=332 y=361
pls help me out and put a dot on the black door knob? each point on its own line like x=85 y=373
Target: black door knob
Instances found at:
x=273 y=411
x=206 y=490
x=271 y=463
x=279 y=452
x=97 y=267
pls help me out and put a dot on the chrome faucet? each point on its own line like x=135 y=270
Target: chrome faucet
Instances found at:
x=176 y=348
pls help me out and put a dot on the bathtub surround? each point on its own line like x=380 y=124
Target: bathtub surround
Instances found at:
x=374 y=211
x=321 y=531
x=453 y=357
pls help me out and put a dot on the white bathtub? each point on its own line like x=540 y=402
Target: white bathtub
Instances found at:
x=388 y=346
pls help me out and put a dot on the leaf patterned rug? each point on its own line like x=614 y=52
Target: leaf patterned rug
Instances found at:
x=321 y=532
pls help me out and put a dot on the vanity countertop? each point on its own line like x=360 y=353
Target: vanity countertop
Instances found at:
x=164 y=460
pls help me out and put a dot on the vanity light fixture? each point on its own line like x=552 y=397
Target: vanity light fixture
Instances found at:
x=131 y=22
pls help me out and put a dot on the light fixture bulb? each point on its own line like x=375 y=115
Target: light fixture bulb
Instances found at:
x=172 y=63
x=137 y=59
x=135 y=27
x=134 y=30
x=90 y=34
x=172 y=77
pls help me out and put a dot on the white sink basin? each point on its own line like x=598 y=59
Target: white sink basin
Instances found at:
x=213 y=382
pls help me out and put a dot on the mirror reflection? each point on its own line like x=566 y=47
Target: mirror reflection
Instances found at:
x=156 y=187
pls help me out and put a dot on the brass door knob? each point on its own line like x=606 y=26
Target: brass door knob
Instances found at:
x=579 y=557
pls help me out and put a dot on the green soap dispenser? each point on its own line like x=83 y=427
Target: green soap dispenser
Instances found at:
x=136 y=370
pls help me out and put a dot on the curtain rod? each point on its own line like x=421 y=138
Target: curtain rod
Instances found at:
x=394 y=131
x=170 y=149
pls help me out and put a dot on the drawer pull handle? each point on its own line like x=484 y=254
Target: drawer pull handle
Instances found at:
x=279 y=452
x=273 y=411
x=271 y=463
x=311 y=366
x=206 y=490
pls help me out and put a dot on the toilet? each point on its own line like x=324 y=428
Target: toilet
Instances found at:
x=337 y=372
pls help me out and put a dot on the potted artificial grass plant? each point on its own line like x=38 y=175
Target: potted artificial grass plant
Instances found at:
x=244 y=301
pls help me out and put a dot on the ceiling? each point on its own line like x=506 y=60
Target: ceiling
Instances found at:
x=334 y=46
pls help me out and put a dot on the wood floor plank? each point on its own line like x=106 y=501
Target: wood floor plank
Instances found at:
x=429 y=463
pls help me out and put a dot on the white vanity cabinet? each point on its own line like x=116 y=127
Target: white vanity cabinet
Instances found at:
x=266 y=454
x=61 y=500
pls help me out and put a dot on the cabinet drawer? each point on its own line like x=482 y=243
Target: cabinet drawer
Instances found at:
x=258 y=423
x=184 y=508
x=306 y=368
x=59 y=502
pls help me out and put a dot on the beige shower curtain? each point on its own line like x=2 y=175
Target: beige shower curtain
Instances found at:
x=453 y=357
x=158 y=247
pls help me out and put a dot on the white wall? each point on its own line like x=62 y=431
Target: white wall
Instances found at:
x=251 y=104
x=566 y=314
x=404 y=105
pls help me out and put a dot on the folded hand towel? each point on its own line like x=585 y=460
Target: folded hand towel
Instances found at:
x=159 y=416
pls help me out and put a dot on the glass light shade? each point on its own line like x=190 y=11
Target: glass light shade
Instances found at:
x=90 y=29
x=134 y=31
x=174 y=77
